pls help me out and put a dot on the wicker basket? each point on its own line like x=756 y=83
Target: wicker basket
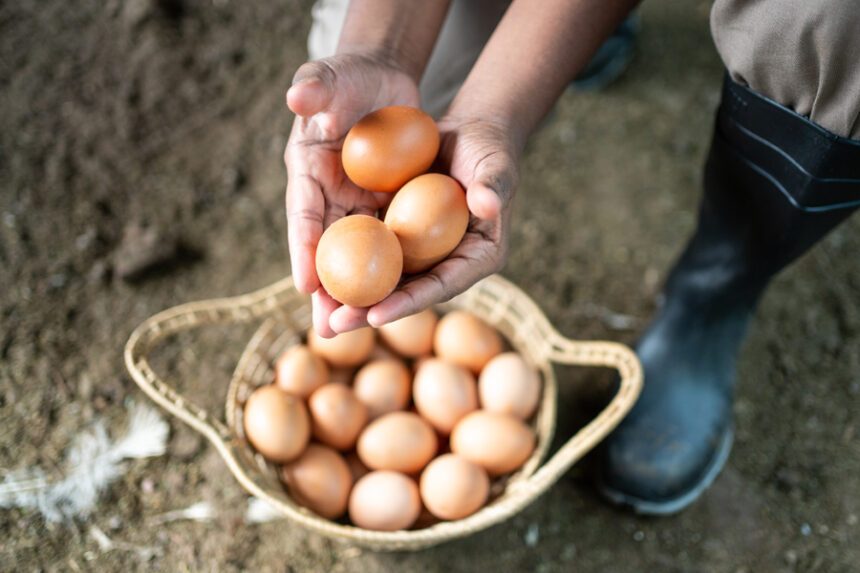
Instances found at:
x=284 y=315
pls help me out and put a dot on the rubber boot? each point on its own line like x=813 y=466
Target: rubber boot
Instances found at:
x=774 y=184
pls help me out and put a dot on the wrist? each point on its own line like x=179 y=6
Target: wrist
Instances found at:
x=501 y=120
x=385 y=56
x=399 y=33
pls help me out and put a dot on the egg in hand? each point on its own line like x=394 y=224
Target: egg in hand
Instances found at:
x=359 y=260
x=388 y=147
x=429 y=215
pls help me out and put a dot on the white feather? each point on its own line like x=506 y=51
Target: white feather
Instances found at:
x=92 y=462
x=200 y=511
x=22 y=488
x=107 y=544
x=261 y=511
x=91 y=469
x=146 y=436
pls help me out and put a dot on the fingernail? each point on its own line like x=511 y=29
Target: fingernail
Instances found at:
x=484 y=203
x=377 y=319
x=371 y=320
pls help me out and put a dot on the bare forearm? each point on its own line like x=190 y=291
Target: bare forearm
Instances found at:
x=537 y=49
x=401 y=31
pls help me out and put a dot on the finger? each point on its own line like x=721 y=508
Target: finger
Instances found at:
x=308 y=98
x=347 y=318
x=323 y=305
x=413 y=297
x=441 y=283
x=492 y=186
x=484 y=203
x=305 y=208
x=312 y=90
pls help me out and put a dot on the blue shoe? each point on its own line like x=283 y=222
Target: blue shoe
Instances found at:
x=612 y=58
x=775 y=184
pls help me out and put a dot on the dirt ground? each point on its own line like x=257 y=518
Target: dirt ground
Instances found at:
x=168 y=116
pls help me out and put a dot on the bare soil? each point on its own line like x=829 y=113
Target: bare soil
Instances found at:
x=160 y=125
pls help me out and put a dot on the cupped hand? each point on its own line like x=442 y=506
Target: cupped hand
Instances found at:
x=483 y=157
x=328 y=96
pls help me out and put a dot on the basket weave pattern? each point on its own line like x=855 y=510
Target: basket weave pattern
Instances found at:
x=284 y=315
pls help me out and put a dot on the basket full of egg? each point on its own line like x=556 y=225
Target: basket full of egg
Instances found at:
x=425 y=430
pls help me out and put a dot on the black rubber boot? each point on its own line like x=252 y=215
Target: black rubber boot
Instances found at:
x=774 y=184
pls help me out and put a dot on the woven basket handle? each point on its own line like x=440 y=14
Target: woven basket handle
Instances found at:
x=564 y=351
x=239 y=309
x=597 y=353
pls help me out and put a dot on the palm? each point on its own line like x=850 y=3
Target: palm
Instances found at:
x=480 y=156
x=468 y=147
x=319 y=192
x=337 y=196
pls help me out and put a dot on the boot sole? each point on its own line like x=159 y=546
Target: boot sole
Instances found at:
x=680 y=502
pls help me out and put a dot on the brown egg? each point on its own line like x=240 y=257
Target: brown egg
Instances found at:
x=383 y=386
x=416 y=366
x=357 y=469
x=411 y=336
x=429 y=215
x=359 y=260
x=299 y=371
x=388 y=147
x=341 y=376
x=384 y=501
x=444 y=393
x=319 y=480
x=344 y=350
x=496 y=442
x=508 y=385
x=399 y=441
x=337 y=416
x=453 y=487
x=463 y=338
x=276 y=423
x=382 y=352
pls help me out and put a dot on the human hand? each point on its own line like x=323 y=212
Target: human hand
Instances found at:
x=328 y=96
x=482 y=156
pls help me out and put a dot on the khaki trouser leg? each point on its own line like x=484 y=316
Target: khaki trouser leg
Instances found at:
x=802 y=54
x=467 y=28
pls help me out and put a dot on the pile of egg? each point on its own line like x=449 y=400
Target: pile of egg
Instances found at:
x=360 y=259
x=399 y=432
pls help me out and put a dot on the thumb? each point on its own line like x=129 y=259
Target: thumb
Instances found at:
x=313 y=88
x=492 y=187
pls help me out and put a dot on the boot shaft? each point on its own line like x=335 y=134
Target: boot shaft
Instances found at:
x=774 y=184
